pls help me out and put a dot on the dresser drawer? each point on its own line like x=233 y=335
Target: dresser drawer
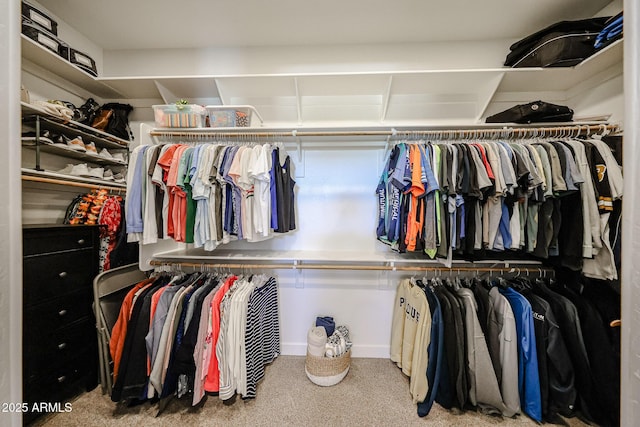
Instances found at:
x=56 y=239
x=56 y=275
x=58 y=313
x=56 y=349
x=62 y=382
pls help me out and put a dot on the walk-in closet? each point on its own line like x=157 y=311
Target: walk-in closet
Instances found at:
x=343 y=213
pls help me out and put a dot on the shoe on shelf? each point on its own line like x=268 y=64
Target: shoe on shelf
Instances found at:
x=77 y=144
x=80 y=170
x=43 y=134
x=91 y=148
x=108 y=175
x=118 y=178
x=67 y=169
x=105 y=154
x=60 y=141
x=95 y=173
x=42 y=139
x=119 y=157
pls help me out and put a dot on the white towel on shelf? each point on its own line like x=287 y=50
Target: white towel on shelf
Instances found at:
x=316 y=341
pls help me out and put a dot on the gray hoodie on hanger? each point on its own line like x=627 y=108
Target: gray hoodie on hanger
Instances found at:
x=484 y=390
x=508 y=351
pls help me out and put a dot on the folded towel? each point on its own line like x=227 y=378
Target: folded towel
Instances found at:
x=317 y=336
x=328 y=324
x=344 y=331
x=336 y=345
x=331 y=350
x=318 y=351
x=316 y=341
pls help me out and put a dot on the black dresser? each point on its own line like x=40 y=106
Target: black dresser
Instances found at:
x=59 y=344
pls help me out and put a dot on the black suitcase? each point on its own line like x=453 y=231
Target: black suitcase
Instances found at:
x=45 y=38
x=40 y=18
x=563 y=44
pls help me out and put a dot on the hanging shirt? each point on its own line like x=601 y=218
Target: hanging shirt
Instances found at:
x=415 y=218
x=434 y=354
x=134 y=200
x=484 y=390
x=528 y=378
x=259 y=172
x=508 y=351
x=210 y=357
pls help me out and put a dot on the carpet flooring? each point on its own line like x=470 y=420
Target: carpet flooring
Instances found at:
x=374 y=393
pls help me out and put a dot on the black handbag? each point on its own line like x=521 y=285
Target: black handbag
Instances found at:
x=118 y=120
x=86 y=112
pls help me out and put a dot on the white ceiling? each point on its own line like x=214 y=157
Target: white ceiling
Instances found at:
x=148 y=24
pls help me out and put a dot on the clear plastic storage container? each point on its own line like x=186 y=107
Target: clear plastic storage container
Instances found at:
x=179 y=116
x=231 y=116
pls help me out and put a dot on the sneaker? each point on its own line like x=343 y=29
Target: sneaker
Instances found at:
x=119 y=157
x=77 y=144
x=32 y=140
x=66 y=170
x=118 y=178
x=91 y=148
x=105 y=154
x=108 y=175
x=60 y=141
x=80 y=170
x=95 y=173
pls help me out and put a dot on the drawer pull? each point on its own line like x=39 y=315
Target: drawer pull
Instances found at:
x=63 y=274
x=62 y=313
x=62 y=346
x=81 y=242
x=62 y=379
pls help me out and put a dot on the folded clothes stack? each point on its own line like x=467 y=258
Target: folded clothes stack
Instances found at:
x=57 y=108
x=611 y=32
x=328 y=340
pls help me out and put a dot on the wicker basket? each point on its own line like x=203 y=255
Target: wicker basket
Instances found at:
x=327 y=371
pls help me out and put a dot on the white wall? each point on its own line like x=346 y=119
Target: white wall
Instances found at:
x=10 y=226
x=306 y=59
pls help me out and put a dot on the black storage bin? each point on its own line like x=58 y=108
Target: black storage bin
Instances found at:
x=83 y=61
x=39 y=18
x=45 y=38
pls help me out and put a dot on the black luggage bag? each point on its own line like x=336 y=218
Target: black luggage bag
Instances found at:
x=563 y=44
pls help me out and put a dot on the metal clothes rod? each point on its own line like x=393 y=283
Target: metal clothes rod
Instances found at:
x=359 y=267
x=506 y=132
x=72 y=183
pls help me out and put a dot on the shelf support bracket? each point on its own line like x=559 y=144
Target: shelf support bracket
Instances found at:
x=298 y=274
x=298 y=101
x=38 y=168
x=294 y=134
x=385 y=100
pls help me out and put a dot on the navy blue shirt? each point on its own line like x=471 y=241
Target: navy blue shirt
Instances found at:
x=434 y=351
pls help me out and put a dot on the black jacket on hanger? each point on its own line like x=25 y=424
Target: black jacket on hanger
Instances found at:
x=459 y=350
x=446 y=392
x=557 y=378
x=601 y=358
x=567 y=316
